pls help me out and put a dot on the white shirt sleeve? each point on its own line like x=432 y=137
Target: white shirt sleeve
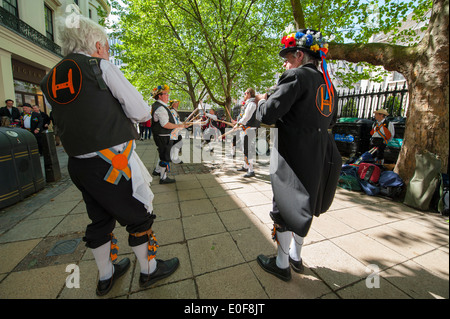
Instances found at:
x=248 y=113
x=392 y=130
x=211 y=116
x=133 y=104
x=161 y=116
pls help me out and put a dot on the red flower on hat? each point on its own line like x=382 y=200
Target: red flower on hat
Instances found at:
x=283 y=41
x=290 y=42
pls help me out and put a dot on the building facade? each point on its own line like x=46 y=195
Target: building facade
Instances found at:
x=29 y=44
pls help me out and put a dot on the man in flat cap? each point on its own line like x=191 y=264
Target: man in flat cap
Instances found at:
x=382 y=132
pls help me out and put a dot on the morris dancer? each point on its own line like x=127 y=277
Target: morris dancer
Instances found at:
x=247 y=120
x=303 y=107
x=94 y=107
x=174 y=152
x=163 y=122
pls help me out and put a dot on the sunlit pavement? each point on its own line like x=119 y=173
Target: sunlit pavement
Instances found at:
x=217 y=222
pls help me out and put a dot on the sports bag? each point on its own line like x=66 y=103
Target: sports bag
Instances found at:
x=423 y=184
x=369 y=172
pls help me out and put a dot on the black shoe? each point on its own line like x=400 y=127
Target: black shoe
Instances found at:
x=250 y=174
x=297 y=265
x=104 y=286
x=155 y=173
x=167 y=180
x=270 y=265
x=242 y=169
x=163 y=270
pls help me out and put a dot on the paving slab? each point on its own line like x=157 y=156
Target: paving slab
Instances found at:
x=227 y=284
x=217 y=222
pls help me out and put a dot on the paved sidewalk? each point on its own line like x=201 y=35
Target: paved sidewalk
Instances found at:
x=216 y=222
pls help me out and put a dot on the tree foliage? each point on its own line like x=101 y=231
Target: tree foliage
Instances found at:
x=216 y=48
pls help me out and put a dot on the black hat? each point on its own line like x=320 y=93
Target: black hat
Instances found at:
x=307 y=40
x=26 y=104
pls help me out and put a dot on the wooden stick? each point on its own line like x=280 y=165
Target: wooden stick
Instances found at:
x=228 y=123
x=228 y=133
x=188 y=118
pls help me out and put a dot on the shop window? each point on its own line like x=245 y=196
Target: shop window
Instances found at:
x=49 y=23
x=11 y=7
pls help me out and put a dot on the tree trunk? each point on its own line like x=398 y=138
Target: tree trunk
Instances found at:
x=426 y=69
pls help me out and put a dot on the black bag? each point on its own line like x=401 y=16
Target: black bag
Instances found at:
x=443 y=195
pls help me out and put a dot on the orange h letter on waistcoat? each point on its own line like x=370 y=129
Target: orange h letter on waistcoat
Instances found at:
x=68 y=84
x=324 y=102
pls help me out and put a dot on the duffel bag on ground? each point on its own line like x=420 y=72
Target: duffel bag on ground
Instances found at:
x=369 y=172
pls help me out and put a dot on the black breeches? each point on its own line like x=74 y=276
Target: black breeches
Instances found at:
x=107 y=203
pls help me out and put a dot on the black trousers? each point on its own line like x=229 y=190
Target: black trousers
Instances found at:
x=164 y=145
x=107 y=203
x=378 y=142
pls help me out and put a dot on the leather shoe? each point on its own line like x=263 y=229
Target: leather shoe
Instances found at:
x=242 y=169
x=104 y=286
x=270 y=265
x=166 y=180
x=163 y=270
x=155 y=173
x=297 y=266
x=250 y=174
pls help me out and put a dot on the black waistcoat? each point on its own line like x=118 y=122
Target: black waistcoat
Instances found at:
x=88 y=116
x=156 y=126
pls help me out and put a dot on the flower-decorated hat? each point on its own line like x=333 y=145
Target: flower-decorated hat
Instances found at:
x=304 y=39
x=159 y=89
x=312 y=42
x=172 y=102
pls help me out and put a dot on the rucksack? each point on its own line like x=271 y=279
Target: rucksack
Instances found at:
x=391 y=184
x=369 y=188
x=369 y=172
x=390 y=179
x=348 y=178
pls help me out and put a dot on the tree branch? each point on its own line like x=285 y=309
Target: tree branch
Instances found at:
x=391 y=57
x=299 y=16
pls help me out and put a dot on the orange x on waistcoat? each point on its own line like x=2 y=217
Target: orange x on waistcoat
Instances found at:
x=119 y=163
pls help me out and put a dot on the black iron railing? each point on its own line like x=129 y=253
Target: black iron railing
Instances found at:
x=363 y=104
x=16 y=25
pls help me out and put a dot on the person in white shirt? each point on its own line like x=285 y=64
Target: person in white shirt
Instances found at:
x=247 y=120
x=178 y=144
x=163 y=122
x=96 y=108
x=382 y=132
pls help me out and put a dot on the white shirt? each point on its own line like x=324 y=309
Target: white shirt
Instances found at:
x=27 y=121
x=161 y=115
x=250 y=108
x=137 y=110
x=390 y=128
x=176 y=116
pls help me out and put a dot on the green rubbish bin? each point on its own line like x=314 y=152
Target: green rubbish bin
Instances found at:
x=20 y=166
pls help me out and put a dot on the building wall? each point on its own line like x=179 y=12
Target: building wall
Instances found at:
x=23 y=61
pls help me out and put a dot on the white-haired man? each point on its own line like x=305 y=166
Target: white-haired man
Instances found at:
x=95 y=109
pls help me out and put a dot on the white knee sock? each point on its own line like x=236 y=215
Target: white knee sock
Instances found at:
x=162 y=173
x=103 y=259
x=141 y=252
x=296 y=247
x=284 y=240
x=250 y=167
